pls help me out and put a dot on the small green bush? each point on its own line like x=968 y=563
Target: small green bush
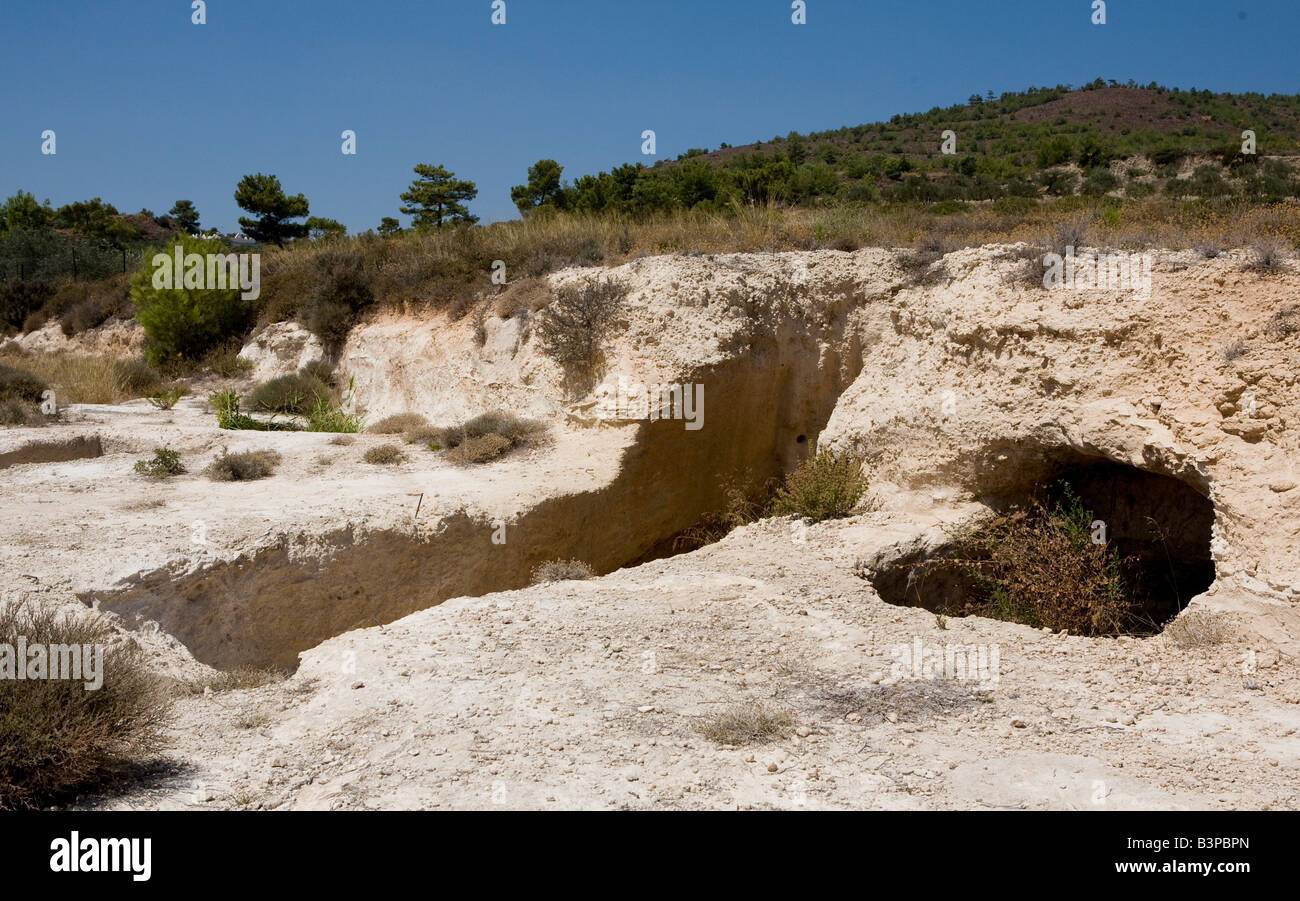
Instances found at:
x=56 y=737
x=165 y=463
x=243 y=467
x=295 y=393
x=824 y=486
x=327 y=417
x=226 y=403
x=384 y=455
x=165 y=400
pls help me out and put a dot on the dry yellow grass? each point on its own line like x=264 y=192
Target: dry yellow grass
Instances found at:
x=86 y=378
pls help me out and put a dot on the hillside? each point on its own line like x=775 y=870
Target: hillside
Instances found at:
x=1100 y=139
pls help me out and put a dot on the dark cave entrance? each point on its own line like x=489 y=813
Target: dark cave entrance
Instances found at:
x=1159 y=526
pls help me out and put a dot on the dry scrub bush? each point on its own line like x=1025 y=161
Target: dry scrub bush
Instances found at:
x=1198 y=629
x=384 y=455
x=824 y=486
x=524 y=296
x=238 y=679
x=398 y=424
x=1040 y=567
x=479 y=449
x=572 y=330
x=1269 y=256
x=561 y=571
x=482 y=438
x=243 y=467
x=752 y=722
x=56 y=737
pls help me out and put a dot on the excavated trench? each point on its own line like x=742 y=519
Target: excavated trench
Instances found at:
x=264 y=608
x=1160 y=526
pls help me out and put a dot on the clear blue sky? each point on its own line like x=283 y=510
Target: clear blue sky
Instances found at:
x=149 y=108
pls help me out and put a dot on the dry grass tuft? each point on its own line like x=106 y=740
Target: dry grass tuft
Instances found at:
x=384 y=455
x=1198 y=629
x=562 y=571
x=751 y=722
x=243 y=467
x=398 y=424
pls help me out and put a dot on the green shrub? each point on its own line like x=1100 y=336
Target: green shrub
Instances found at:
x=20 y=298
x=824 y=486
x=165 y=400
x=56 y=737
x=384 y=455
x=562 y=571
x=226 y=404
x=243 y=467
x=339 y=288
x=185 y=323
x=165 y=463
x=295 y=393
x=328 y=417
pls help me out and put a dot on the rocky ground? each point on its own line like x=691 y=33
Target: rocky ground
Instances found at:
x=594 y=694
x=425 y=675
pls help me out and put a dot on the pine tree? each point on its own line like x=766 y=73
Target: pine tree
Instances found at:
x=437 y=198
x=262 y=195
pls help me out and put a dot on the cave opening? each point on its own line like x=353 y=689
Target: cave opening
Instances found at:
x=1158 y=527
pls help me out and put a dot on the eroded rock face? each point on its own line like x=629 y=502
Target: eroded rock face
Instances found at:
x=281 y=348
x=967 y=388
x=973 y=387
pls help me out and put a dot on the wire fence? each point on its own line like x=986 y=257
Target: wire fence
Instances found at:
x=48 y=255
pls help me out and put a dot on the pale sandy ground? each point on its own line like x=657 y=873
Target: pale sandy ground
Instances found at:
x=591 y=694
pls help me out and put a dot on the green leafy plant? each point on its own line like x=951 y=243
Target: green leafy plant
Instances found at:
x=824 y=486
x=165 y=400
x=165 y=463
x=226 y=403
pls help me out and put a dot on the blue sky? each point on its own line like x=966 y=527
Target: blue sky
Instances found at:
x=149 y=108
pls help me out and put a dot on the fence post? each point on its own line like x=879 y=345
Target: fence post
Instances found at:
x=74 y=262
x=124 y=259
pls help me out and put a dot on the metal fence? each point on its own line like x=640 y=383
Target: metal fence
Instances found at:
x=49 y=255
